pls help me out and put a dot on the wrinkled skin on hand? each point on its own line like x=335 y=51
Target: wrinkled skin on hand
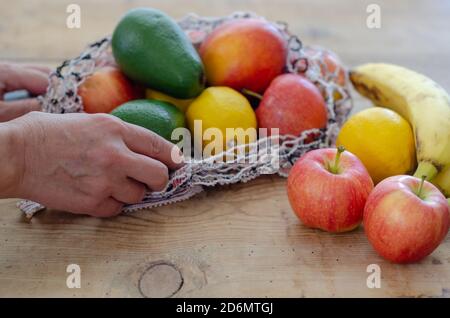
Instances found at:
x=88 y=164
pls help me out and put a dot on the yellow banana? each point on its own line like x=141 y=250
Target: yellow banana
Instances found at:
x=420 y=101
x=442 y=181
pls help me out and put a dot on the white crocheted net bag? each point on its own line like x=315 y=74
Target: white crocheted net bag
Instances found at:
x=61 y=97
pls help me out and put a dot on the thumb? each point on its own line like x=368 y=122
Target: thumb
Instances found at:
x=14 y=109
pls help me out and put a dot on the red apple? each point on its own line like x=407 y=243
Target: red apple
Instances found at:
x=330 y=64
x=292 y=104
x=328 y=188
x=331 y=68
x=105 y=90
x=244 y=53
x=405 y=218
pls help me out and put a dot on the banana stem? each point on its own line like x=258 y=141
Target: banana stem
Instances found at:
x=426 y=169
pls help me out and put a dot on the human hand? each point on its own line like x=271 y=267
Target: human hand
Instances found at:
x=88 y=164
x=13 y=77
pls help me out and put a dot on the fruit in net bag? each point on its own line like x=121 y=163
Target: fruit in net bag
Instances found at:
x=244 y=54
x=181 y=104
x=153 y=50
x=105 y=90
x=292 y=104
x=157 y=116
x=219 y=108
x=330 y=66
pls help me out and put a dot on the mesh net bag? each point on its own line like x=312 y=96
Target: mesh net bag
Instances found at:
x=196 y=175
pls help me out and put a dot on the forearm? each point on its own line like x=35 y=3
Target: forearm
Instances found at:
x=11 y=160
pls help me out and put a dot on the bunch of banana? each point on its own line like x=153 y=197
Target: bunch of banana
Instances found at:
x=420 y=101
x=442 y=181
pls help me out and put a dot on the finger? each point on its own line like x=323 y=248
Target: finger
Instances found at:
x=129 y=191
x=146 y=142
x=107 y=208
x=15 y=77
x=41 y=68
x=15 y=109
x=37 y=67
x=149 y=171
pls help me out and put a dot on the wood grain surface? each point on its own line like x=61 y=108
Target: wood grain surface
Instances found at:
x=241 y=240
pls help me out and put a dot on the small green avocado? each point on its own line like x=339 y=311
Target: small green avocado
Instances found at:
x=157 y=116
x=151 y=49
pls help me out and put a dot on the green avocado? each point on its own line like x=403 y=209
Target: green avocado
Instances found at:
x=157 y=116
x=151 y=49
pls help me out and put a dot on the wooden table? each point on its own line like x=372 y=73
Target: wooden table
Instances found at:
x=241 y=240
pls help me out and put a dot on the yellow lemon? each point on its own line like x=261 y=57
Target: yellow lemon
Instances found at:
x=382 y=140
x=222 y=108
x=182 y=104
